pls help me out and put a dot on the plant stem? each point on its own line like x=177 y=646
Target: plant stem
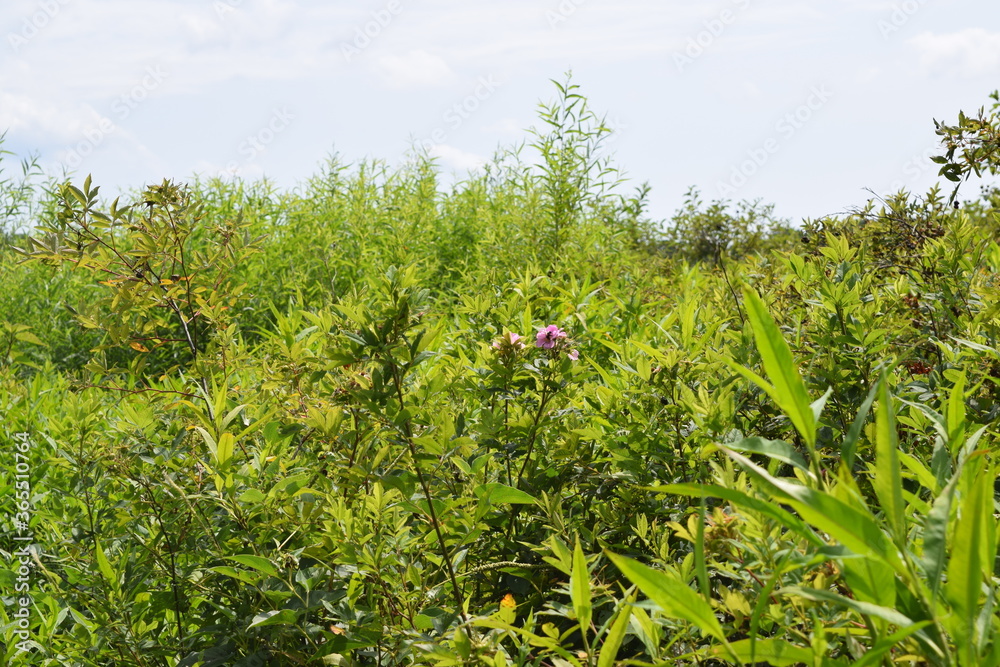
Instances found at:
x=432 y=513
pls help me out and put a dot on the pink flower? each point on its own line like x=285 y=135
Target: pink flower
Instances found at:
x=549 y=337
x=509 y=342
x=574 y=354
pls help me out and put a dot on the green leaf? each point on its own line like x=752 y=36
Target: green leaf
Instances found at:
x=764 y=598
x=276 y=617
x=776 y=652
x=788 y=390
x=252 y=497
x=855 y=529
x=209 y=440
x=955 y=414
x=615 y=636
x=893 y=616
x=965 y=569
x=104 y=565
x=820 y=403
x=867 y=609
x=224 y=451
x=868 y=579
x=850 y=444
x=77 y=194
x=935 y=535
x=579 y=589
x=232 y=414
x=28 y=337
x=775 y=449
x=741 y=499
x=874 y=655
x=496 y=493
x=888 y=481
x=255 y=562
x=241 y=575
x=671 y=594
x=701 y=570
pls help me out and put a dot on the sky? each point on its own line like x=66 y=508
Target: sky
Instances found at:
x=807 y=105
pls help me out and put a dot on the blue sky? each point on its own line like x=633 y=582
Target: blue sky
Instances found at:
x=803 y=104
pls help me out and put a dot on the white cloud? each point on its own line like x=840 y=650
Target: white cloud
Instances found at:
x=508 y=128
x=203 y=29
x=31 y=116
x=968 y=53
x=416 y=69
x=455 y=158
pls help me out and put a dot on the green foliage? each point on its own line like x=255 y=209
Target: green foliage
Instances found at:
x=373 y=422
x=972 y=146
x=574 y=174
x=17 y=194
x=712 y=233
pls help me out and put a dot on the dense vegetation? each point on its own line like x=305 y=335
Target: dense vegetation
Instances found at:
x=374 y=421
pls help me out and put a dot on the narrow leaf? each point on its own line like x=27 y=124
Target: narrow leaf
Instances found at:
x=741 y=499
x=864 y=608
x=104 y=565
x=965 y=568
x=579 y=589
x=935 y=535
x=850 y=444
x=775 y=652
x=775 y=449
x=671 y=594
x=874 y=655
x=789 y=391
x=855 y=529
x=699 y=552
x=497 y=493
x=955 y=414
x=888 y=481
x=277 y=617
x=224 y=451
x=255 y=562
x=615 y=636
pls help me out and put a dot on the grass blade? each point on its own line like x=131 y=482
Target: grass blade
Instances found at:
x=855 y=529
x=935 y=535
x=674 y=597
x=740 y=499
x=955 y=414
x=775 y=652
x=699 y=552
x=888 y=481
x=775 y=449
x=965 y=569
x=850 y=444
x=613 y=641
x=788 y=391
x=579 y=589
